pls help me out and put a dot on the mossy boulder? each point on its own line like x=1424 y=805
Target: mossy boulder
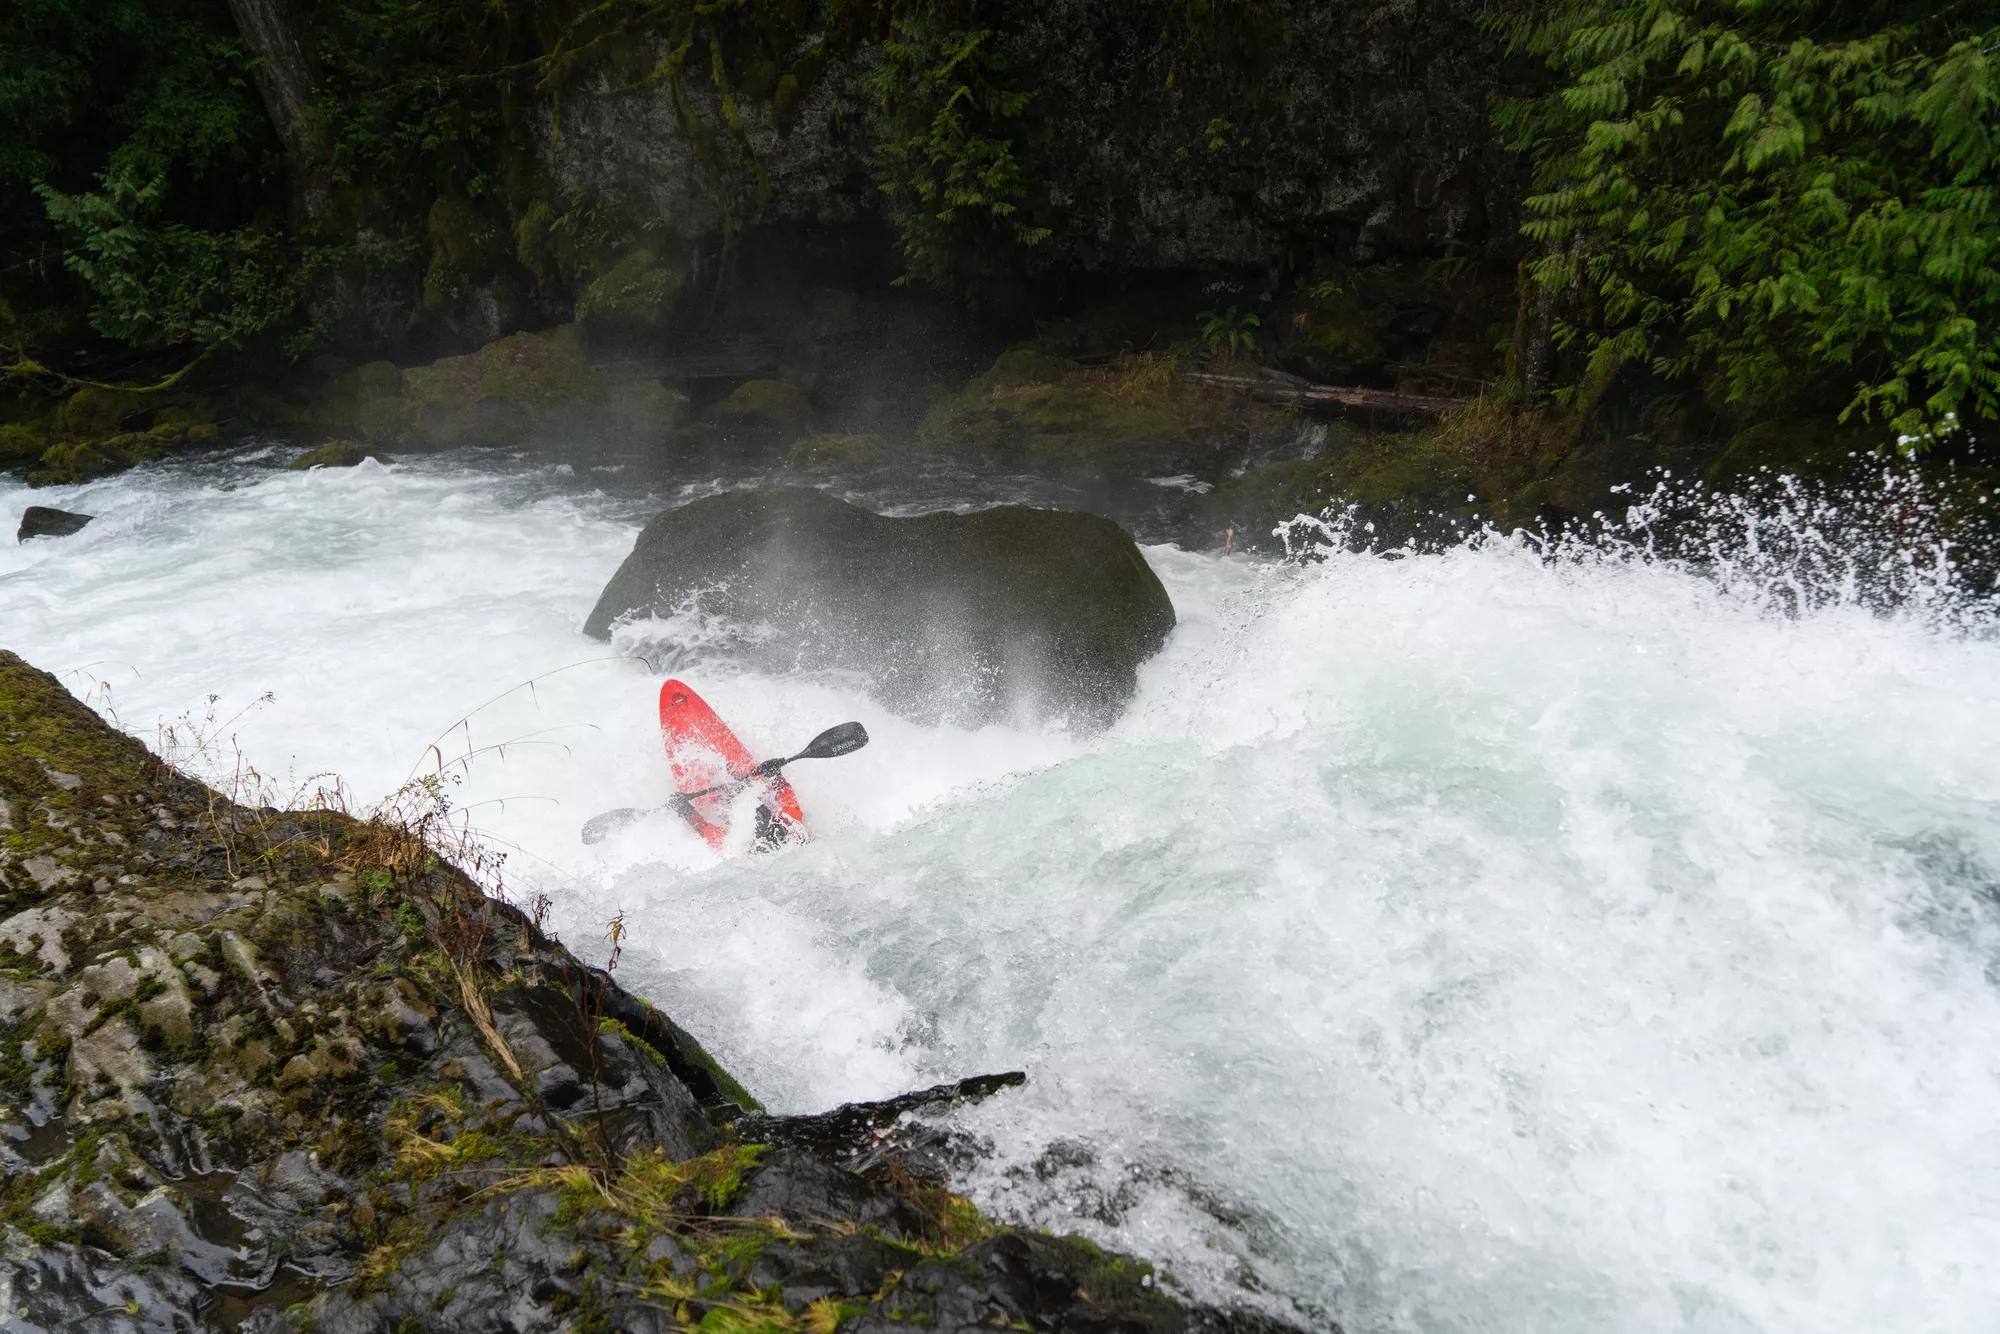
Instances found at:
x=1135 y=415
x=637 y=295
x=526 y=388
x=367 y=401
x=513 y=389
x=93 y=411
x=641 y=412
x=82 y=460
x=21 y=443
x=336 y=454
x=764 y=410
x=974 y=617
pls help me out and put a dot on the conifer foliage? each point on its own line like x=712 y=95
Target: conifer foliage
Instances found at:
x=1774 y=196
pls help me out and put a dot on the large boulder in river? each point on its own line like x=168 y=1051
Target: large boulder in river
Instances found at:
x=45 y=521
x=969 y=617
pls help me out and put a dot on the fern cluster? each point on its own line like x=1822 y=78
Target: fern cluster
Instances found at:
x=1773 y=195
x=948 y=155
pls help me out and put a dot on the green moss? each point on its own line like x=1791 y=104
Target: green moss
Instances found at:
x=496 y=391
x=765 y=408
x=93 y=411
x=21 y=443
x=725 y=1083
x=636 y=295
x=44 y=728
x=81 y=460
x=1051 y=413
x=367 y=401
x=336 y=454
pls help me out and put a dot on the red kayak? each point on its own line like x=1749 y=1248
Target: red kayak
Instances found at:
x=703 y=754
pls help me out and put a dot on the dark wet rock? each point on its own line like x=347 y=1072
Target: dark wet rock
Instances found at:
x=336 y=454
x=972 y=617
x=44 y=521
x=266 y=1070
x=537 y=388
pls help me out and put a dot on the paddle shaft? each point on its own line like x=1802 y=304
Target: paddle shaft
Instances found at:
x=835 y=741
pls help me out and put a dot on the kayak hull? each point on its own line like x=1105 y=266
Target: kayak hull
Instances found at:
x=702 y=752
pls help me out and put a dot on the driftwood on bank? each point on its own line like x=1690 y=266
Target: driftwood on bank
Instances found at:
x=1270 y=386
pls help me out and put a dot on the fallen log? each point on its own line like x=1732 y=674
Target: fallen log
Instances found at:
x=1291 y=391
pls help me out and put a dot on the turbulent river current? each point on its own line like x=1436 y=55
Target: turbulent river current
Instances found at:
x=1497 y=939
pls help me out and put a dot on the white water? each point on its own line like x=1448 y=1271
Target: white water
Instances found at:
x=1457 y=942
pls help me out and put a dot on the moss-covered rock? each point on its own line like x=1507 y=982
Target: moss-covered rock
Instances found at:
x=21 y=443
x=525 y=388
x=637 y=295
x=641 y=412
x=99 y=431
x=972 y=616
x=367 y=401
x=93 y=411
x=764 y=409
x=1136 y=414
x=336 y=454
x=82 y=460
x=509 y=390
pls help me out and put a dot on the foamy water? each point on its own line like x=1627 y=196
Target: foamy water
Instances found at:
x=1467 y=941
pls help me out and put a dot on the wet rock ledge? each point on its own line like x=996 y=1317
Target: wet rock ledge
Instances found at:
x=281 y=1071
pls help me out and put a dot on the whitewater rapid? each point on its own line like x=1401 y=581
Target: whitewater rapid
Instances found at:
x=1447 y=942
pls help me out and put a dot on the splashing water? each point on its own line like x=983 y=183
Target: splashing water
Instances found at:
x=1531 y=935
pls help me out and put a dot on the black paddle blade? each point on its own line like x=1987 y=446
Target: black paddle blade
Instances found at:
x=834 y=742
x=600 y=827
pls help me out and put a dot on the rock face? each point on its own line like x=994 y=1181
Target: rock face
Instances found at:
x=972 y=617
x=259 y=1062
x=45 y=521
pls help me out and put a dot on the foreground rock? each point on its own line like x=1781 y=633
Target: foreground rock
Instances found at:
x=971 y=617
x=45 y=521
x=295 y=1070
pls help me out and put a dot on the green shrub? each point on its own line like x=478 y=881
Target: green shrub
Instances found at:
x=1774 y=196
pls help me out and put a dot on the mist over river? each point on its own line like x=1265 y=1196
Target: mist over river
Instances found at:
x=1477 y=940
